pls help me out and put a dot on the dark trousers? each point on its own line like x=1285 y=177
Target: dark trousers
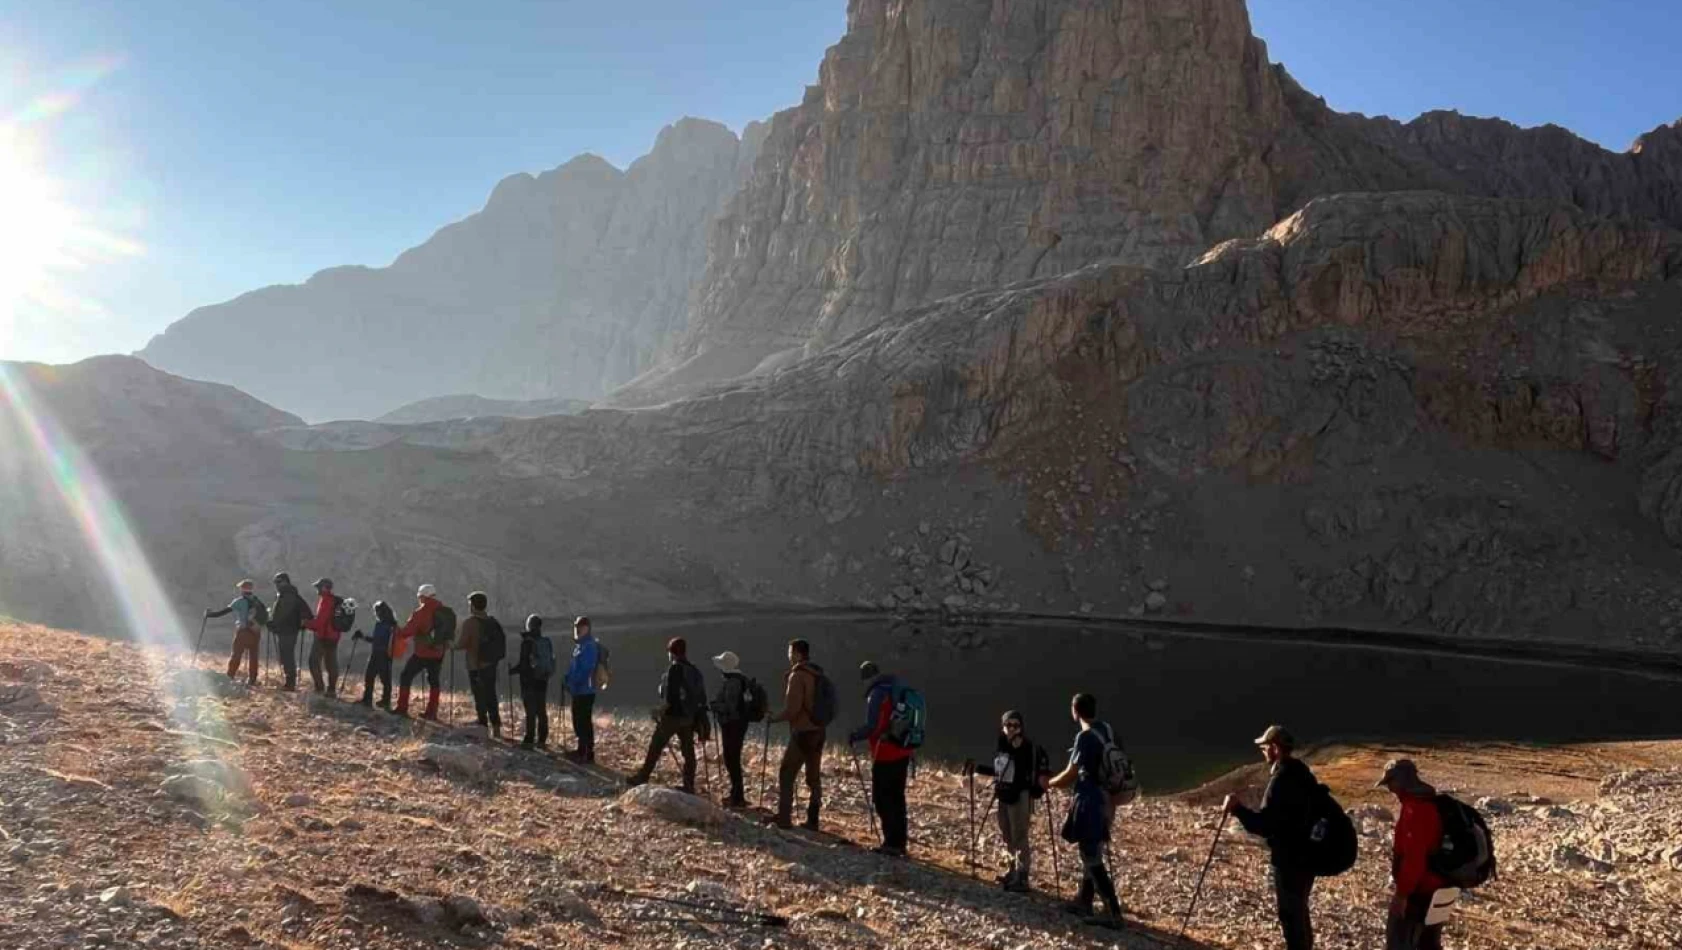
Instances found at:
x=433 y=667
x=805 y=751
x=482 y=683
x=1407 y=930
x=584 y=725
x=668 y=726
x=534 y=695
x=887 y=789
x=732 y=736
x=1292 y=889
x=286 y=644
x=378 y=668
x=1095 y=878
x=324 y=654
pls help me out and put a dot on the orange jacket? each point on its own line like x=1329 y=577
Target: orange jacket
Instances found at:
x=420 y=622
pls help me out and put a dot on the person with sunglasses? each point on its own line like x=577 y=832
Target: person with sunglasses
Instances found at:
x=1019 y=770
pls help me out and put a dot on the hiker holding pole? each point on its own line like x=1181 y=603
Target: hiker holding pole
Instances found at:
x=683 y=703
x=1283 y=819
x=740 y=702
x=378 y=666
x=290 y=614
x=890 y=755
x=1019 y=770
x=587 y=674
x=431 y=627
x=1088 y=823
x=249 y=617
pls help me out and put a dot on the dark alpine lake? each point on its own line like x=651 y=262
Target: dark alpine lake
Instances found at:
x=1186 y=703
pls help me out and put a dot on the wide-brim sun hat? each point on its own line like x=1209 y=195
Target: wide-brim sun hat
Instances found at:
x=727 y=661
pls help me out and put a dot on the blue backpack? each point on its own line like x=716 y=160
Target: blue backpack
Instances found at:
x=909 y=720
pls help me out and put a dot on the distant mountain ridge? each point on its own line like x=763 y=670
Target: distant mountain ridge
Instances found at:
x=563 y=286
x=467 y=406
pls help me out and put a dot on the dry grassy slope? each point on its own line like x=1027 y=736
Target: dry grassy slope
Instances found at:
x=348 y=837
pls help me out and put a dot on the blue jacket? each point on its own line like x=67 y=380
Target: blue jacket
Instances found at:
x=380 y=640
x=881 y=691
x=583 y=667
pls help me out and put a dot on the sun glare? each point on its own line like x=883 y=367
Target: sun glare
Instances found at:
x=37 y=227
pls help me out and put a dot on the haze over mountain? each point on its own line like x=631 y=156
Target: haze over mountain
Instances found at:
x=1074 y=307
x=562 y=287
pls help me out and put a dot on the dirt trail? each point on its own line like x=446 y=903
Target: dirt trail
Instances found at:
x=206 y=817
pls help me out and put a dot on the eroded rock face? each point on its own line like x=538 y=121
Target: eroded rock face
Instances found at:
x=569 y=280
x=951 y=146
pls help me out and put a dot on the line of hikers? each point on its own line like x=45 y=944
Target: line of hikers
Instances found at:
x=1441 y=845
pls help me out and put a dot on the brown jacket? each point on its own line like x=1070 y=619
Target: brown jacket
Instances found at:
x=800 y=695
x=467 y=640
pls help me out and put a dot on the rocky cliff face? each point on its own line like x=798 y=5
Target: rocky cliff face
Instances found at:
x=951 y=145
x=569 y=280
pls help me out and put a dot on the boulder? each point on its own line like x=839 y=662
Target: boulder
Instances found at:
x=674 y=805
x=462 y=762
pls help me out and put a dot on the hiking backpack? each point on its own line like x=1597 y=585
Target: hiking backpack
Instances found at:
x=1331 y=845
x=824 y=700
x=1466 y=856
x=493 y=642
x=602 y=674
x=1115 y=770
x=344 y=614
x=1042 y=766
x=755 y=701
x=907 y=722
x=694 y=693
x=259 y=611
x=542 y=658
x=443 y=631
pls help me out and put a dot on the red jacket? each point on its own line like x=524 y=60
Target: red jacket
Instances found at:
x=322 y=623
x=883 y=749
x=1419 y=833
x=420 y=622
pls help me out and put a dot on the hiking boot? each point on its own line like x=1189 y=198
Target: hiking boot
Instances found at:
x=887 y=851
x=632 y=781
x=1077 y=908
x=735 y=801
x=810 y=824
x=527 y=746
x=779 y=821
x=1018 y=886
x=575 y=756
x=1104 y=919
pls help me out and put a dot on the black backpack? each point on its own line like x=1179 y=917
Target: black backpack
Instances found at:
x=259 y=610
x=1466 y=856
x=694 y=693
x=1331 y=846
x=443 y=631
x=542 y=658
x=824 y=701
x=493 y=642
x=755 y=701
x=343 y=617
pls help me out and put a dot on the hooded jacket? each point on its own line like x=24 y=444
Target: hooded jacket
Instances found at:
x=578 y=675
x=800 y=697
x=290 y=612
x=879 y=714
x=419 y=625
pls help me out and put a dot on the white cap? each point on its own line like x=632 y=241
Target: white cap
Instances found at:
x=727 y=661
x=427 y=590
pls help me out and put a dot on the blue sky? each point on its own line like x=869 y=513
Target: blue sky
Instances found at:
x=210 y=148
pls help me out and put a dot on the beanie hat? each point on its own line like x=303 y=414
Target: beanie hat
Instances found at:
x=677 y=646
x=534 y=623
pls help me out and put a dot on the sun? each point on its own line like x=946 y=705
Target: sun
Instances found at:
x=38 y=228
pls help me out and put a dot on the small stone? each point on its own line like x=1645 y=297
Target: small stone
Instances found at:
x=299 y=800
x=1154 y=602
x=115 y=896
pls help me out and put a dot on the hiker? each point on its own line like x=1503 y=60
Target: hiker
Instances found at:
x=248 y=633
x=806 y=722
x=733 y=708
x=1088 y=823
x=890 y=762
x=1283 y=820
x=535 y=666
x=379 y=656
x=1419 y=834
x=324 y=648
x=683 y=695
x=581 y=685
x=1020 y=771
x=426 y=627
x=290 y=615
x=483 y=645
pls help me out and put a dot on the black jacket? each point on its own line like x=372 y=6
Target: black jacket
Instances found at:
x=1287 y=809
x=727 y=705
x=683 y=679
x=1024 y=765
x=290 y=612
x=523 y=668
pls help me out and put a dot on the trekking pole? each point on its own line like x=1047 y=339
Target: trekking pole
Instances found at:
x=1051 y=837
x=707 y=770
x=1198 y=892
x=350 y=665
x=200 y=644
x=452 y=687
x=510 y=701
x=972 y=872
x=864 y=790
x=764 y=764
